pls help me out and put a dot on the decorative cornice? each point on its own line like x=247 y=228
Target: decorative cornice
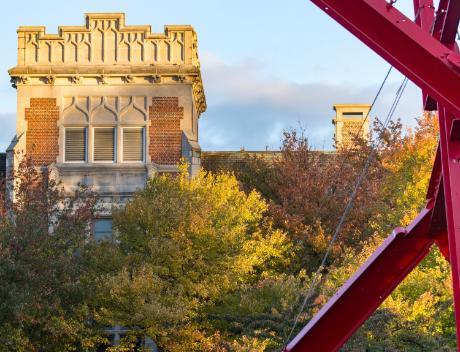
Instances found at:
x=103 y=69
x=91 y=79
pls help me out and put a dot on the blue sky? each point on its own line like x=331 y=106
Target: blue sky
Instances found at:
x=267 y=65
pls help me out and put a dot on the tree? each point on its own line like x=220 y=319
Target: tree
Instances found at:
x=186 y=243
x=201 y=265
x=309 y=190
x=44 y=241
x=418 y=315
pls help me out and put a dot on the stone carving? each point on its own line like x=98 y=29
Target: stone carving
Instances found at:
x=23 y=79
x=129 y=109
x=14 y=82
x=198 y=94
x=133 y=109
x=180 y=78
x=154 y=78
x=102 y=79
x=76 y=79
x=19 y=80
x=105 y=39
x=128 y=79
x=50 y=79
x=104 y=109
x=76 y=110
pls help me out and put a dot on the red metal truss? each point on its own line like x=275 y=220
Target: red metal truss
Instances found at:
x=426 y=52
x=424 y=14
x=424 y=17
x=449 y=130
x=446 y=23
x=367 y=288
x=414 y=52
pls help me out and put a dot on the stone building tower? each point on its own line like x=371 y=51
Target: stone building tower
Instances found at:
x=106 y=104
x=351 y=120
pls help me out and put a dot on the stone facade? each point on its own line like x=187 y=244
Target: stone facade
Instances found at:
x=104 y=79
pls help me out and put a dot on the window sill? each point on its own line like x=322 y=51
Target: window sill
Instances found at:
x=101 y=166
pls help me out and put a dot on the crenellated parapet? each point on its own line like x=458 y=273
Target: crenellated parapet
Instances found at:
x=105 y=39
x=107 y=51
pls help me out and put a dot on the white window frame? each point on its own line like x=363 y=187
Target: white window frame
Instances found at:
x=144 y=144
x=86 y=145
x=115 y=147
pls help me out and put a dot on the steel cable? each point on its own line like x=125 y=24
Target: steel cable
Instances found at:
x=327 y=194
x=348 y=208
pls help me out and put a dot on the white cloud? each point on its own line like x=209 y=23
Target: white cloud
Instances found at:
x=247 y=107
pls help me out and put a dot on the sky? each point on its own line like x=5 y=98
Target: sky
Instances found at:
x=267 y=65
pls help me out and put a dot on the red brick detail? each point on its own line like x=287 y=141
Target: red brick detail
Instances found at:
x=165 y=132
x=42 y=131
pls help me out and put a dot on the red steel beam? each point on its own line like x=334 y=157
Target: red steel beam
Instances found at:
x=435 y=68
x=424 y=16
x=367 y=288
x=443 y=27
x=435 y=196
x=435 y=178
x=449 y=128
x=446 y=23
x=422 y=58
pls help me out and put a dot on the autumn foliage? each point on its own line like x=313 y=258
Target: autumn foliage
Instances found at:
x=223 y=261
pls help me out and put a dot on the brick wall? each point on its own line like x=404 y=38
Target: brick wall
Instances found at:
x=42 y=131
x=165 y=133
